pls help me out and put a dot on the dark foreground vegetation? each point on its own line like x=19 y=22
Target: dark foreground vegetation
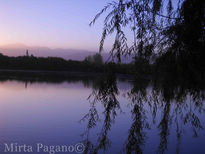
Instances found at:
x=173 y=30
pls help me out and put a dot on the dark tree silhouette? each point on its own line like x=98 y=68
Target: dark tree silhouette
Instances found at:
x=178 y=29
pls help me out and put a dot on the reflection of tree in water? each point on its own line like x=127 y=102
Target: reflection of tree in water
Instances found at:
x=179 y=102
x=105 y=92
x=171 y=104
x=136 y=135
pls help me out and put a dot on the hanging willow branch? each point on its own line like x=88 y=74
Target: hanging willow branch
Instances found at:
x=147 y=22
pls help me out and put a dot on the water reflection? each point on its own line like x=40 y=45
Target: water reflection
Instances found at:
x=171 y=106
x=104 y=91
x=137 y=135
x=156 y=115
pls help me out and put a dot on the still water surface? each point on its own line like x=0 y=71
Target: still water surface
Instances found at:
x=106 y=115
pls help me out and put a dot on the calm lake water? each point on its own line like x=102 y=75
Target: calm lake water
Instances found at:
x=105 y=115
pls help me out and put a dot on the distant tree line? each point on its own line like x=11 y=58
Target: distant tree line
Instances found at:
x=95 y=59
x=90 y=64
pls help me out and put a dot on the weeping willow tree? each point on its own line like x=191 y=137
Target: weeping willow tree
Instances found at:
x=157 y=27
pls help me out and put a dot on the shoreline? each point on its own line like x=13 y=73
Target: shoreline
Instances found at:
x=41 y=75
